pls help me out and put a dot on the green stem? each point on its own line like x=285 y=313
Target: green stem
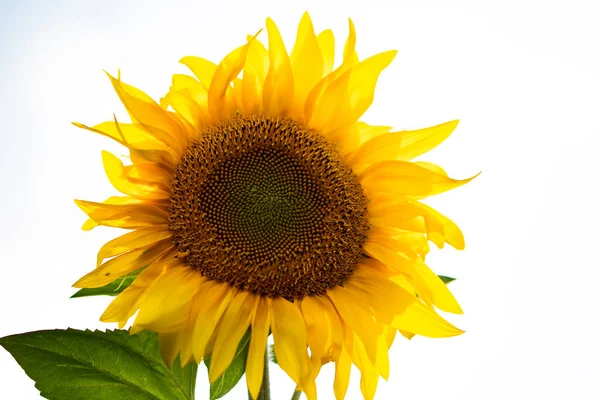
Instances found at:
x=296 y=395
x=265 y=388
x=191 y=379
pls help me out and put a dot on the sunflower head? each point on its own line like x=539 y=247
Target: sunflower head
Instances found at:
x=254 y=198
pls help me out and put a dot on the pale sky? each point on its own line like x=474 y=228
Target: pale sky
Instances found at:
x=523 y=77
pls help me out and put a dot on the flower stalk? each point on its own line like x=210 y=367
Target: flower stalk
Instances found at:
x=265 y=387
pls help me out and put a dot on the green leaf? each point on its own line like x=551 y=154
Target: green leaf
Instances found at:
x=233 y=373
x=112 y=289
x=185 y=377
x=86 y=365
x=446 y=279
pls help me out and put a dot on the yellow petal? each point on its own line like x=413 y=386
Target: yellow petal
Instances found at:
x=317 y=329
x=135 y=240
x=187 y=333
x=398 y=261
x=218 y=106
x=344 y=100
x=258 y=342
x=186 y=107
x=441 y=295
x=397 y=307
x=350 y=59
x=335 y=339
x=342 y=375
x=307 y=64
x=402 y=146
x=217 y=299
x=152 y=175
x=90 y=223
x=353 y=310
x=150 y=115
x=170 y=344
x=233 y=326
x=168 y=302
x=136 y=139
x=369 y=376
x=401 y=242
x=421 y=320
x=129 y=216
x=289 y=336
x=326 y=43
x=191 y=99
x=255 y=72
x=406 y=178
x=115 y=173
x=124 y=264
x=382 y=361
x=278 y=91
x=389 y=256
x=128 y=302
x=350 y=56
x=202 y=68
x=414 y=216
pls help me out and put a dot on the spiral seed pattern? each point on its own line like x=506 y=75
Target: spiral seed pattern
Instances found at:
x=268 y=206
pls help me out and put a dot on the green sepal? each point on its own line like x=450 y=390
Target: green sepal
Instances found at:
x=233 y=373
x=446 y=279
x=272 y=356
x=96 y=365
x=112 y=289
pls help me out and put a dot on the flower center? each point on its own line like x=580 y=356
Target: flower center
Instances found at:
x=268 y=206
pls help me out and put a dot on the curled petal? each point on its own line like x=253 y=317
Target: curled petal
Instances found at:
x=219 y=106
x=124 y=264
x=115 y=172
x=402 y=146
x=202 y=68
x=345 y=99
x=255 y=72
x=155 y=120
x=408 y=179
x=135 y=240
x=129 y=216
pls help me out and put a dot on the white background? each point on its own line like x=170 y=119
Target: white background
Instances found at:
x=523 y=77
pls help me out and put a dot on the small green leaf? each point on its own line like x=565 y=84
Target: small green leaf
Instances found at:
x=233 y=373
x=446 y=279
x=86 y=365
x=112 y=289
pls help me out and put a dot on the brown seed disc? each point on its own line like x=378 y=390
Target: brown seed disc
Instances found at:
x=268 y=206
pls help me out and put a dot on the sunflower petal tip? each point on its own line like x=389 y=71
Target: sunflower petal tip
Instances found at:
x=79 y=284
x=392 y=54
x=473 y=177
x=212 y=375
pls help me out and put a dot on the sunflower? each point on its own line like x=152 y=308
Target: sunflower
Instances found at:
x=256 y=200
